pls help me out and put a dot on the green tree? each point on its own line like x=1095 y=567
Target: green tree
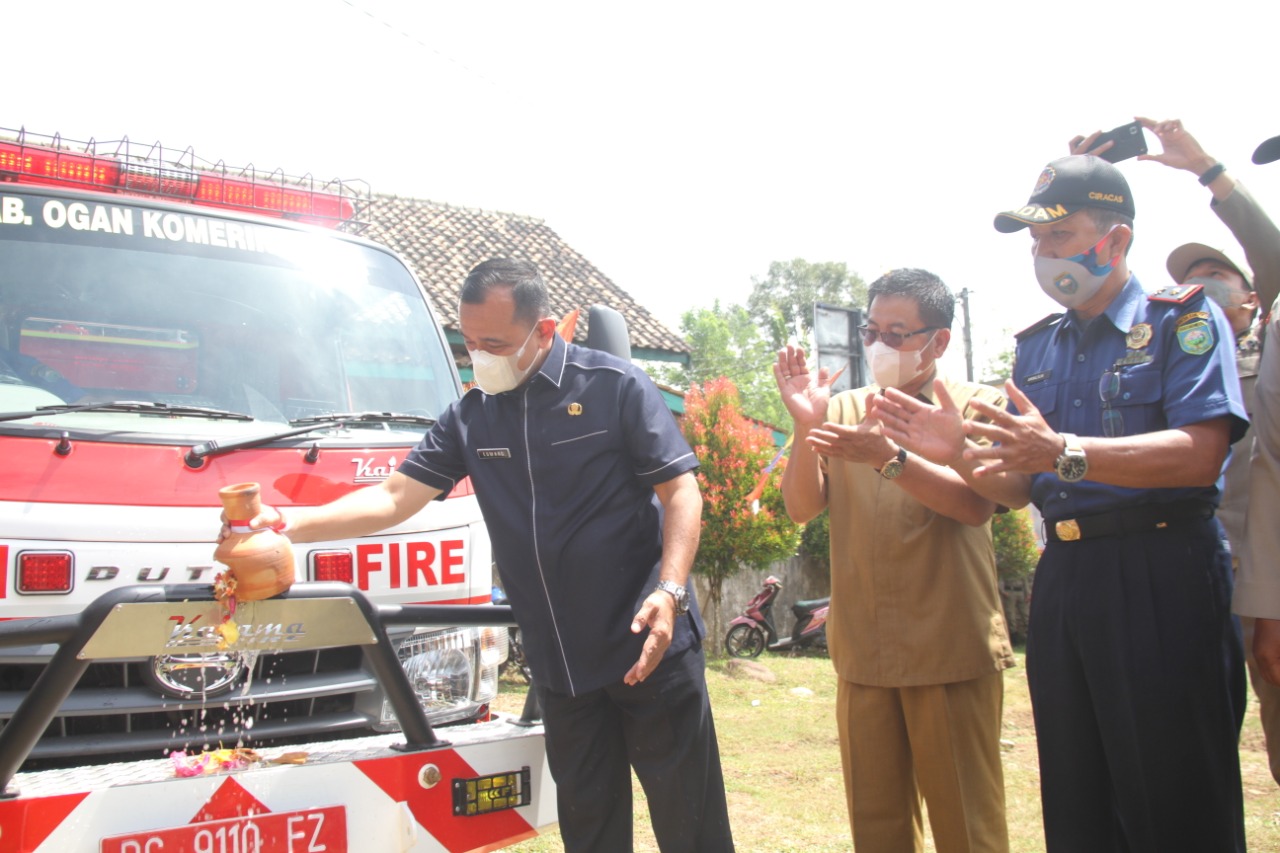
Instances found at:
x=743 y=521
x=1015 y=544
x=999 y=367
x=725 y=342
x=815 y=539
x=1016 y=556
x=782 y=302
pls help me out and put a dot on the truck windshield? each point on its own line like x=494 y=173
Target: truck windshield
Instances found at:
x=103 y=301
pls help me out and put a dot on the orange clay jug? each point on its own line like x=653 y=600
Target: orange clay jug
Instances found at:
x=260 y=560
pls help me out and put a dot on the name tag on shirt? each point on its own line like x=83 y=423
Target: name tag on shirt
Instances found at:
x=493 y=453
x=1133 y=358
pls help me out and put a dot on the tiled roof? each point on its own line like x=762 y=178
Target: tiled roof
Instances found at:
x=442 y=243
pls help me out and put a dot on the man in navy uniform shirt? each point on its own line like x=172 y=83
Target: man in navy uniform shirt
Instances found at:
x=1122 y=413
x=588 y=491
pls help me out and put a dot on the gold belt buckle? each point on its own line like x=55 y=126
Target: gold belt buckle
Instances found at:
x=1068 y=531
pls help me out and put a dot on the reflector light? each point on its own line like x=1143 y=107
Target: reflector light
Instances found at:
x=143 y=170
x=493 y=793
x=332 y=566
x=44 y=572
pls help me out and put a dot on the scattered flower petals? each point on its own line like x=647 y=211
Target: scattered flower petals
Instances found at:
x=213 y=761
x=228 y=634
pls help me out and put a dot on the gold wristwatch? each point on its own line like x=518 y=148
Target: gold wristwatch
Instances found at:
x=892 y=469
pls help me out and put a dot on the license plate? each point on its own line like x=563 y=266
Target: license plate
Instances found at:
x=309 y=831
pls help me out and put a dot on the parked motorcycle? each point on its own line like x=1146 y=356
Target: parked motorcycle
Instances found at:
x=515 y=647
x=753 y=631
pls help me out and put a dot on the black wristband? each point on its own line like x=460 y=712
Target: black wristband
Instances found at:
x=1214 y=171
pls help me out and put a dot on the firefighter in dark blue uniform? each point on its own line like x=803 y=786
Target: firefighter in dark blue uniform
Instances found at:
x=1122 y=413
x=1134 y=663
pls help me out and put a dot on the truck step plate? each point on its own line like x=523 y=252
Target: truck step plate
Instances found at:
x=351 y=795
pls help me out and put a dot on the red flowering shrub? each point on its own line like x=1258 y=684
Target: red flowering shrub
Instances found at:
x=743 y=520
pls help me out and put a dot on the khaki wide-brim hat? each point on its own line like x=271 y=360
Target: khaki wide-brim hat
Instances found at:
x=1188 y=255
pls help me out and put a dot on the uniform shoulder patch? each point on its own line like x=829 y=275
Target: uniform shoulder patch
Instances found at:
x=1195 y=338
x=1176 y=294
x=1042 y=323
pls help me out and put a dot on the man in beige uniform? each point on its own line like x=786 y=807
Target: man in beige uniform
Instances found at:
x=1257 y=591
x=916 y=633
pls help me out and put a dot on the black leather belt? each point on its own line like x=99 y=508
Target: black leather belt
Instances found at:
x=1135 y=519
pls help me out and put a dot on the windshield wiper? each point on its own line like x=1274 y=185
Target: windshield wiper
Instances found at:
x=368 y=417
x=196 y=455
x=130 y=406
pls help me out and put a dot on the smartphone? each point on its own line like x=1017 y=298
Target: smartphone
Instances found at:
x=1129 y=142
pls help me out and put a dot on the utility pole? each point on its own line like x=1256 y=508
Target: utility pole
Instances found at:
x=968 y=335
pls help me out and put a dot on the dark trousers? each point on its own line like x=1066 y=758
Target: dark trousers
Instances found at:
x=1137 y=685
x=662 y=727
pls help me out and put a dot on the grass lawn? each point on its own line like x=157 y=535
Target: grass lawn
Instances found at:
x=782 y=763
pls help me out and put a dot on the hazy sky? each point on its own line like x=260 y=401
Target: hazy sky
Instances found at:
x=682 y=147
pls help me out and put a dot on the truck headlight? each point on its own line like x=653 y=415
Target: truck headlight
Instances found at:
x=454 y=672
x=494 y=646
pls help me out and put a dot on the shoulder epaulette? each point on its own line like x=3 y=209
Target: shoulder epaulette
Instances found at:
x=1042 y=323
x=1175 y=293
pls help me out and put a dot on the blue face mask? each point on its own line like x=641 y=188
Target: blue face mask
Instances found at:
x=1073 y=281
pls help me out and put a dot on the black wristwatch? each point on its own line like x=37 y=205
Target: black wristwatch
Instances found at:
x=679 y=593
x=1072 y=464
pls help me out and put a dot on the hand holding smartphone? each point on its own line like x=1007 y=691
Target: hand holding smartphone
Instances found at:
x=1128 y=142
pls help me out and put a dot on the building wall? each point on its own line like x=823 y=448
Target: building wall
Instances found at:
x=802 y=579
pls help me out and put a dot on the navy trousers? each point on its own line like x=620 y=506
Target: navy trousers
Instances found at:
x=1137 y=681
x=663 y=728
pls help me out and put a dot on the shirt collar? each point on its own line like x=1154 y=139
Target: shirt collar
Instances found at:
x=1124 y=308
x=925 y=394
x=1120 y=313
x=553 y=365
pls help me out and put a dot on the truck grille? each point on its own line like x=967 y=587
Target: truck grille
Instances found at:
x=114 y=709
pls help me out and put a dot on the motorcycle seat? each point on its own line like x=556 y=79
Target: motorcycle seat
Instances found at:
x=809 y=606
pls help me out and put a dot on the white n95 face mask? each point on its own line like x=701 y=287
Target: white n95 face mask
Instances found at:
x=892 y=368
x=498 y=373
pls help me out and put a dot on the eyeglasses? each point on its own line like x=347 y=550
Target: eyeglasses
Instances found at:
x=893 y=339
x=1108 y=390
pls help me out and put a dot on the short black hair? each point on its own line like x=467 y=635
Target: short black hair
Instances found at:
x=937 y=304
x=528 y=290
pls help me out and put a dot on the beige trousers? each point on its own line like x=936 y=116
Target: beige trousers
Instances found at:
x=938 y=742
x=1268 y=701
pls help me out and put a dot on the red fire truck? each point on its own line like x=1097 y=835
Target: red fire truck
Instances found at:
x=169 y=327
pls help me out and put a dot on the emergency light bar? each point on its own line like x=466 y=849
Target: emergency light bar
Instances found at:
x=53 y=162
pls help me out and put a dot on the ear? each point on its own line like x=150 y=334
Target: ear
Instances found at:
x=1120 y=237
x=1251 y=301
x=546 y=330
x=940 y=341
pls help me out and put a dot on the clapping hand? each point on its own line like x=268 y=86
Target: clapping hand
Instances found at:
x=935 y=432
x=1021 y=443
x=805 y=394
